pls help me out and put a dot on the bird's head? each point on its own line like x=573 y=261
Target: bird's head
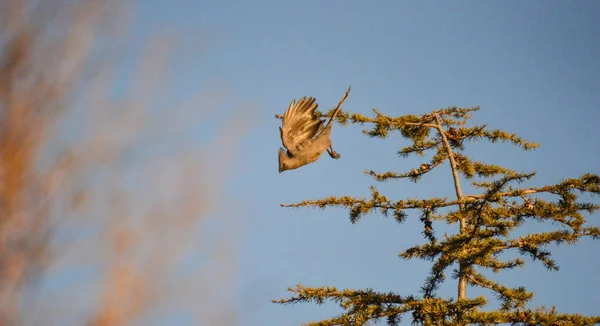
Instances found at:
x=284 y=160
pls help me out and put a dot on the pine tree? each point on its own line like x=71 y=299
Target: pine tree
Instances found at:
x=486 y=222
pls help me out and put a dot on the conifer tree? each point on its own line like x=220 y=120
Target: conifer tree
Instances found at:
x=485 y=224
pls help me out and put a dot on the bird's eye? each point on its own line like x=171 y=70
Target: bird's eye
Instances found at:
x=284 y=165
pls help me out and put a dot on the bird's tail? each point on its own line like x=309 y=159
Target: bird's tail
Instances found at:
x=338 y=108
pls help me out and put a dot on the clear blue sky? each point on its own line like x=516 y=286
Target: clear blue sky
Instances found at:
x=533 y=67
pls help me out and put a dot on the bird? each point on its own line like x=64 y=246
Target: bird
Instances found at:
x=304 y=135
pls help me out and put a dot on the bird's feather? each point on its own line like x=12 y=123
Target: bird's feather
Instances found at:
x=300 y=124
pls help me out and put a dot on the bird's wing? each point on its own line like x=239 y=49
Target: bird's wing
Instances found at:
x=299 y=124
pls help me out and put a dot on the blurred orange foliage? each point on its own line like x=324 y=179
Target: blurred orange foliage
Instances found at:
x=91 y=180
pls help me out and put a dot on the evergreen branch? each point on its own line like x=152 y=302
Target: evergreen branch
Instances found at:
x=491 y=195
x=499 y=135
x=414 y=174
x=471 y=169
x=458 y=113
x=437 y=275
x=496 y=265
x=419 y=147
x=476 y=133
x=362 y=206
x=450 y=250
x=511 y=299
x=320 y=294
x=426 y=219
x=489 y=170
x=531 y=244
x=479 y=253
x=362 y=306
x=540 y=317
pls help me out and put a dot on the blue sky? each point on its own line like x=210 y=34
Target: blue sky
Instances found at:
x=533 y=67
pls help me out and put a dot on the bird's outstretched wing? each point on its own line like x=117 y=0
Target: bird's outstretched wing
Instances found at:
x=299 y=124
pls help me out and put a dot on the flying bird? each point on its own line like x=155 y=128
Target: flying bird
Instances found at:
x=304 y=135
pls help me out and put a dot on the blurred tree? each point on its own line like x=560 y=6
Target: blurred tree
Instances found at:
x=113 y=183
x=486 y=224
x=43 y=57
